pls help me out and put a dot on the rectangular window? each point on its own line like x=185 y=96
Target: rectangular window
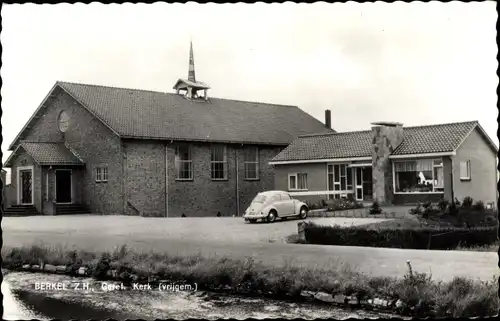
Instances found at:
x=339 y=179
x=183 y=163
x=465 y=170
x=98 y=174
x=419 y=176
x=101 y=174
x=252 y=163
x=219 y=162
x=104 y=174
x=297 y=181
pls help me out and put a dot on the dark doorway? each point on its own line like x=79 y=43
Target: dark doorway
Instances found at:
x=63 y=186
x=26 y=187
x=367 y=184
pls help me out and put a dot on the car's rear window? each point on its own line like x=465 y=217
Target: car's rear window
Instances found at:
x=259 y=199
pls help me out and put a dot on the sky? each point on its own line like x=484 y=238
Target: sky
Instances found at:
x=415 y=63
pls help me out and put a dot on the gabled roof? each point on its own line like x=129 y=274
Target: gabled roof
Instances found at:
x=142 y=114
x=195 y=84
x=48 y=154
x=417 y=140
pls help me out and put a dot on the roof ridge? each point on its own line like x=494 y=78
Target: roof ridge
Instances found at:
x=404 y=127
x=444 y=124
x=38 y=142
x=334 y=133
x=171 y=93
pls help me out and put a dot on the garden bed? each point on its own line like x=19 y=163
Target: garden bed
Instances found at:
x=414 y=295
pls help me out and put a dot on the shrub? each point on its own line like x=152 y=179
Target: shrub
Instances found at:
x=443 y=205
x=408 y=238
x=375 y=208
x=343 y=204
x=316 y=205
x=417 y=210
x=479 y=206
x=453 y=208
x=467 y=202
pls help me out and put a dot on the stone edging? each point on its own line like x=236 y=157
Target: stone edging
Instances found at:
x=381 y=304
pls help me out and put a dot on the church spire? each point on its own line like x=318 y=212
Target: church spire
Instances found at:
x=191 y=76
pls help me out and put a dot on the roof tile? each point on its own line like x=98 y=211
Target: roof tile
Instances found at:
x=51 y=153
x=417 y=140
x=157 y=115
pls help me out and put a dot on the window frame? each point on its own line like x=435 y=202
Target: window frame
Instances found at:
x=468 y=170
x=254 y=162
x=178 y=161
x=101 y=174
x=223 y=162
x=434 y=187
x=337 y=180
x=296 y=175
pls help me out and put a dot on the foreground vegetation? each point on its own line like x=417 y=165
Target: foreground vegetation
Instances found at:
x=415 y=294
x=427 y=237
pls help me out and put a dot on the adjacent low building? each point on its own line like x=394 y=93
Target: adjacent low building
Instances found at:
x=391 y=164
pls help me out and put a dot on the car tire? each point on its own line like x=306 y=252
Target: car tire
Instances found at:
x=271 y=217
x=303 y=213
x=252 y=221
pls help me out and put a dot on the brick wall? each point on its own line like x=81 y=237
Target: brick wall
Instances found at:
x=204 y=197
x=94 y=142
x=412 y=199
x=144 y=170
x=145 y=181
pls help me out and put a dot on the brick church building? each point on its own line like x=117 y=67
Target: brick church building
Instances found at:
x=108 y=150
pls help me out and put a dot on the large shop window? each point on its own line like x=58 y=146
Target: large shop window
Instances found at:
x=419 y=176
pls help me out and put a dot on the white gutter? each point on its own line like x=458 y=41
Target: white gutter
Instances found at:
x=422 y=155
x=324 y=160
x=360 y=165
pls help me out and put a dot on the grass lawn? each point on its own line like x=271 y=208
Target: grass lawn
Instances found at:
x=462 y=297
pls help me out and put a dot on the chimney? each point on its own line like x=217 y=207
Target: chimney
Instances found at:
x=386 y=137
x=328 y=119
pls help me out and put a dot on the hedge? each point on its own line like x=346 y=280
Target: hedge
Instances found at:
x=438 y=238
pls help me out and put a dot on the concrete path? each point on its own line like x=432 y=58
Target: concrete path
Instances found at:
x=93 y=234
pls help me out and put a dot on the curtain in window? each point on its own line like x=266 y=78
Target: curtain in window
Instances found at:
x=413 y=166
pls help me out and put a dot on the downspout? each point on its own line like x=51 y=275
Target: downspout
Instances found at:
x=452 y=185
x=166 y=179
x=237 y=182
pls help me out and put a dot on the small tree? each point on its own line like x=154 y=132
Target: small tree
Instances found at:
x=467 y=202
x=375 y=208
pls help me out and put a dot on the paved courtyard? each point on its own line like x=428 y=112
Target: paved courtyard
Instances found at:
x=233 y=238
x=230 y=229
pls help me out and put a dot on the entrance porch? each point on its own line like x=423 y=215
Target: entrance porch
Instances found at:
x=46 y=178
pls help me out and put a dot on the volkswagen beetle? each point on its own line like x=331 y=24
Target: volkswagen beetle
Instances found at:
x=270 y=205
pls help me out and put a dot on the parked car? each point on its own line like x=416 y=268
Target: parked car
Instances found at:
x=270 y=205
